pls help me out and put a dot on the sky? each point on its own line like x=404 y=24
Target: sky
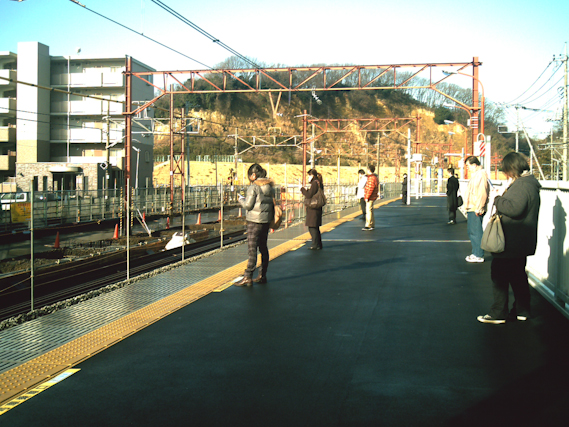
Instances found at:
x=516 y=40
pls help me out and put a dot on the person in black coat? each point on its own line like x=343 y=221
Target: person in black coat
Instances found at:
x=404 y=189
x=452 y=196
x=519 y=210
x=314 y=215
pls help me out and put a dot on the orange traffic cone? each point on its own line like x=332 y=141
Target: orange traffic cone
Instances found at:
x=199 y=221
x=56 y=246
x=116 y=235
x=168 y=223
x=219 y=216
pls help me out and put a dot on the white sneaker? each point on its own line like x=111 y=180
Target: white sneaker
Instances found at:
x=473 y=258
x=489 y=319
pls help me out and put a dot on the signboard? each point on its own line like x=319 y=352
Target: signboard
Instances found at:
x=21 y=212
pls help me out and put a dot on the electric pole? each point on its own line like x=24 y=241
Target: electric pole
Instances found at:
x=563 y=58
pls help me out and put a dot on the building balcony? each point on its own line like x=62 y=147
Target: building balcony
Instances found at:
x=8 y=74
x=7 y=134
x=8 y=107
x=8 y=162
x=94 y=80
x=115 y=161
x=87 y=107
x=84 y=135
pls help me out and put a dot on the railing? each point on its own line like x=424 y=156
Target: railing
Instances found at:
x=64 y=207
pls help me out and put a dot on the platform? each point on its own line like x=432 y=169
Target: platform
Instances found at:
x=377 y=329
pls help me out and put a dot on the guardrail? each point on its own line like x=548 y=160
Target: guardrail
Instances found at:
x=65 y=207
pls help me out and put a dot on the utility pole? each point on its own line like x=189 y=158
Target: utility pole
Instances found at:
x=563 y=58
x=565 y=108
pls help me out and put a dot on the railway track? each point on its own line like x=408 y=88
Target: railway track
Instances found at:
x=53 y=285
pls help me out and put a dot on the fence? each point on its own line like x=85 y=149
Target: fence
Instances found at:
x=206 y=158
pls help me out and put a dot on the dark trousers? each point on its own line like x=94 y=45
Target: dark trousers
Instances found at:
x=506 y=272
x=363 y=206
x=257 y=235
x=452 y=216
x=316 y=237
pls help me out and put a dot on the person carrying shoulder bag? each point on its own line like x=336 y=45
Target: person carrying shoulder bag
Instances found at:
x=519 y=211
x=259 y=204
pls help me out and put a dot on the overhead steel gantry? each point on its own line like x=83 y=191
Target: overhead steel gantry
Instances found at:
x=361 y=125
x=304 y=79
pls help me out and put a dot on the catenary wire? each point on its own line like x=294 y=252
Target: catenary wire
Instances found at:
x=140 y=34
x=203 y=32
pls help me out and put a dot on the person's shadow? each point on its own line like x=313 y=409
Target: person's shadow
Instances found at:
x=556 y=253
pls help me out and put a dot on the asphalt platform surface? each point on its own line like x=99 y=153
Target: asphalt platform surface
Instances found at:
x=377 y=329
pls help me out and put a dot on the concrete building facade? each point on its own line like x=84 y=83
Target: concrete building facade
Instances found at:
x=60 y=139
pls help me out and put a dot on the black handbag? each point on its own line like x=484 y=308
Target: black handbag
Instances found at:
x=459 y=201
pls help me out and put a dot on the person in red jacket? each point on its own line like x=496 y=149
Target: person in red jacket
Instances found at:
x=370 y=196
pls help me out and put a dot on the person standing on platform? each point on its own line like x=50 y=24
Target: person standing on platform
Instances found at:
x=259 y=204
x=360 y=193
x=404 y=189
x=519 y=210
x=370 y=196
x=452 y=196
x=475 y=202
x=313 y=215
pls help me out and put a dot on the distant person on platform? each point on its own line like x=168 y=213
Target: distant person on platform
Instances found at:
x=475 y=202
x=452 y=196
x=260 y=207
x=371 y=191
x=360 y=192
x=404 y=189
x=313 y=215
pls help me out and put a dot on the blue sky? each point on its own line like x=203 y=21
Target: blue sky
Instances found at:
x=515 y=40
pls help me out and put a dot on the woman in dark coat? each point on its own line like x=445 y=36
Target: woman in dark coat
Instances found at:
x=452 y=196
x=519 y=210
x=313 y=215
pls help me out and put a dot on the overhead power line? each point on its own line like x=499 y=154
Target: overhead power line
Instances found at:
x=531 y=99
x=204 y=33
x=524 y=92
x=140 y=34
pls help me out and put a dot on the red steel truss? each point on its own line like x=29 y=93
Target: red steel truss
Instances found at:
x=302 y=79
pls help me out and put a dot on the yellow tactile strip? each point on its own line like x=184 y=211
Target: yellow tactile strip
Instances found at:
x=17 y=380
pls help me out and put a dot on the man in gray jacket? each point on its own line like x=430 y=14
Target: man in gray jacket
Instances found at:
x=259 y=204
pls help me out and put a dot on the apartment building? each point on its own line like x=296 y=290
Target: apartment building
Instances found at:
x=60 y=139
